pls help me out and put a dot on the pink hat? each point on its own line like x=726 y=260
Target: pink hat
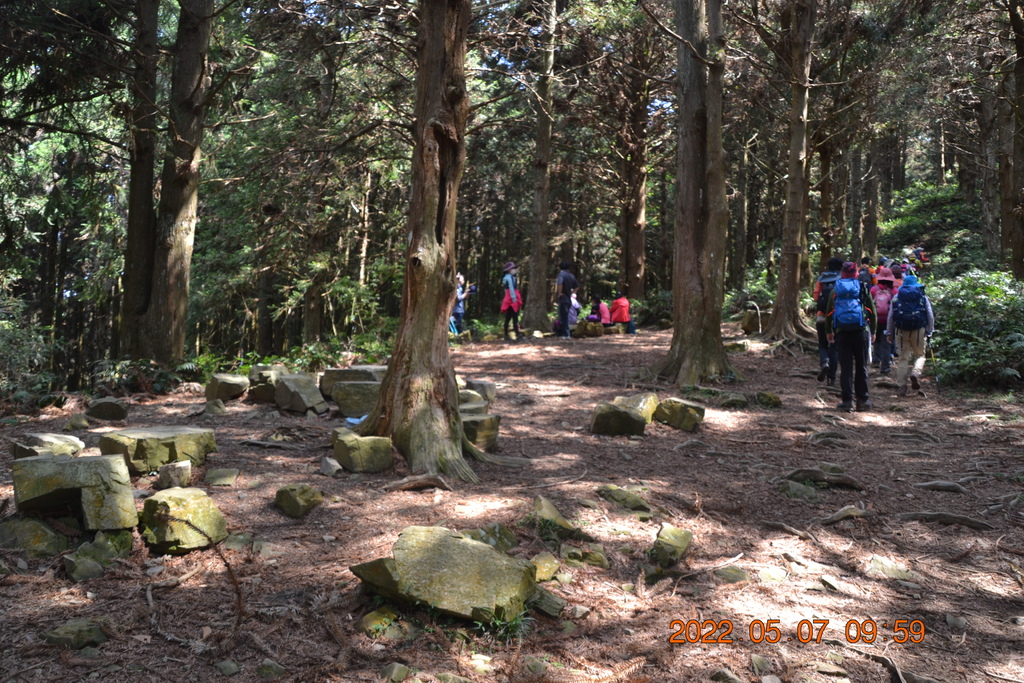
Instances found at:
x=885 y=275
x=509 y=266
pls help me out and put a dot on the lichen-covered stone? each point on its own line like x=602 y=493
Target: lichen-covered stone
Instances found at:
x=680 y=413
x=496 y=535
x=221 y=476
x=671 y=546
x=453 y=574
x=355 y=399
x=587 y=328
x=215 y=407
x=768 y=399
x=548 y=603
x=226 y=386
x=737 y=346
x=329 y=467
x=362 y=453
x=259 y=374
x=732 y=574
x=90 y=559
x=166 y=535
x=354 y=373
x=375 y=623
x=547 y=565
x=469 y=396
x=477 y=408
x=34 y=536
x=299 y=394
x=297 y=500
x=624 y=497
x=32 y=445
x=612 y=420
x=175 y=474
x=793 y=489
x=76 y=634
x=100 y=485
x=77 y=423
x=645 y=404
x=481 y=430
x=145 y=450
x=735 y=401
x=108 y=408
x=488 y=390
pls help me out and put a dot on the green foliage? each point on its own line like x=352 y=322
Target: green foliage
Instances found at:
x=119 y=377
x=515 y=627
x=24 y=377
x=657 y=306
x=981 y=316
x=758 y=292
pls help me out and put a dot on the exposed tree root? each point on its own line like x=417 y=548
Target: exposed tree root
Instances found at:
x=483 y=456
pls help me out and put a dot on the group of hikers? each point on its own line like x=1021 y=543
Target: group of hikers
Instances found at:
x=869 y=315
x=569 y=307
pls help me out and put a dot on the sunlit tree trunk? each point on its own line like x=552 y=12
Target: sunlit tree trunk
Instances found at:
x=166 y=314
x=418 y=404
x=633 y=216
x=786 y=321
x=535 y=311
x=702 y=215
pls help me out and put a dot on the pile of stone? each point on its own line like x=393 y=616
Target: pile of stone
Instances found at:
x=630 y=415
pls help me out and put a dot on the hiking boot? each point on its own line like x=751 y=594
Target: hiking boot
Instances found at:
x=915 y=383
x=886 y=372
x=822 y=373
x=864 y=406
x=845 y=406
x=831 y=382
x=901 y=392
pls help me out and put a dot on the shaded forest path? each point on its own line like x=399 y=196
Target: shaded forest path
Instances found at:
x=723 y=483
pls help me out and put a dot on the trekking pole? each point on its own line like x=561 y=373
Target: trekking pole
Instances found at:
x=935 y=367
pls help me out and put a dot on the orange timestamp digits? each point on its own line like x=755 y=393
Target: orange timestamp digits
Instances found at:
x=721 y=632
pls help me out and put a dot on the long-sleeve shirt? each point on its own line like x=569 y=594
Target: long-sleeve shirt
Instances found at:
x=509 y=283
x=890 y=327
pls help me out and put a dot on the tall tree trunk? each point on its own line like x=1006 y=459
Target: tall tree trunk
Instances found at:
x=786 y=321
x=825 y=206
x=166 y=315
x=1015 y=241
x=738 y=234
x=871 y=189
x=856 y=205
x=1006 y=174
x=988 y=129
x=418 y=404
x=702 y=214
x=633 y=140
x=141 y=228
x=535 y=311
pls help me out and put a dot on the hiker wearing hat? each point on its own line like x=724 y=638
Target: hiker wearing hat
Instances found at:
x=566 y=285
x=882 y=294
x=853 y=322
x=828 y=358
x=912 y=320
x=513 y=300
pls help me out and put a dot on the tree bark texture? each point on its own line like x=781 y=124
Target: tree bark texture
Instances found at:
x=871 y=192
x=786 y=321
x=1015 y=241
x=701 y=219
x=418 y=404
x=141 y=226
x=633 y=141
x=166 y=314
x=1006 y=139
x=535 y=311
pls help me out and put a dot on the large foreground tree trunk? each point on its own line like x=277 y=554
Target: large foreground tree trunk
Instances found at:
x=1014 y=247
x=535 y=310
x=166 y=314
x=141 y=230
x=786 y=321
x=418 y=405
x=702 y=215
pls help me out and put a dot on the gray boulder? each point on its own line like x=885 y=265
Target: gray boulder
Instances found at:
x=355 y=373
x=645 y=404
x=108 y=408
x=299 y=394
x=90 y=559
x=165 y=534
x=355 y=399
x=362 y=453
x=298 y=500
x=477 y=408
x=215 y=407
x=481 y=430
x=453 y=574
x=175 y=474
x=681 y=414
x=100 y=485
x=612 y=420
x=77 y=634
x=31 y=445
x=226 y=386
x=671 y=546
x=145 y=450
x=486 y=389
x=263 y=381
x=34 y=536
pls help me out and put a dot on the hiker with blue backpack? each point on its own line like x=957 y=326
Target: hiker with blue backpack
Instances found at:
x=912 y=320
x=852 y=315
x=828 y=358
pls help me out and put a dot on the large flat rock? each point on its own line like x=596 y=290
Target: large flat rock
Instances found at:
x=31 y=445
x=146 y=450
x=99 y=485
x=226 y=386
x=163 y=529
x=355 y=399
x=453 y=574
x=355 y=373
x=299 y=394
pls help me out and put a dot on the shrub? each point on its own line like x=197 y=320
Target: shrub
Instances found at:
x=24 y=379
x=980 y=316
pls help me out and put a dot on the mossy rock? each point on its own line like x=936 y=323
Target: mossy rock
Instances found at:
x=99 y=485
x=225 y=386
x=298 y=500
x=624 y=498
x=645 y=404
x=481 y=430
x=735 y=401
x=145 y=450
x=34 y=536
x=681 y=414
x=671 y=546
x=768 y=399
x=611 y=420
x=355 y=399
x=108 y=408
x=496 y=535
x=162 y=531
x=77 y=634
x=32 y=445
x=362 y=453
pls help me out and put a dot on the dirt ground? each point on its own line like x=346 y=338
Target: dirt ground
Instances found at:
x=302 y=604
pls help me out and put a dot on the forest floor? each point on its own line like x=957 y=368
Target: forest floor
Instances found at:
x=302 y=603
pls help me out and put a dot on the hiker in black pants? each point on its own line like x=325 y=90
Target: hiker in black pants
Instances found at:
x=852 y=314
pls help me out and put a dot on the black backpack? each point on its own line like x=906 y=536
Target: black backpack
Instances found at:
x=828 y=283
